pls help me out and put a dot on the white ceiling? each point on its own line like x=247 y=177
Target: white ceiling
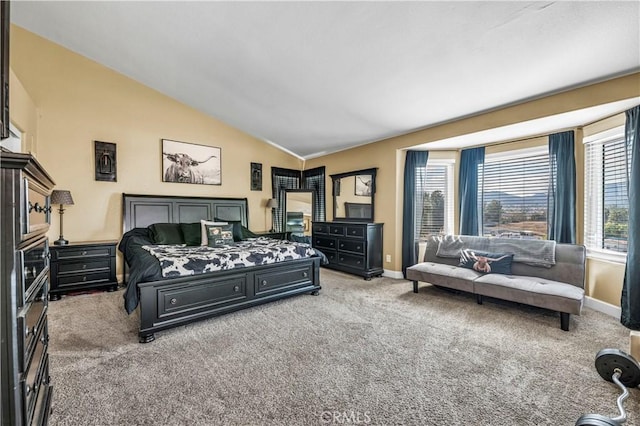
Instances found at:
x=319 y=77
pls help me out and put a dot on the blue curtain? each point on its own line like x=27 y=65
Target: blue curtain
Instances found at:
x=562 y=188
x=414 y=168
x=630 y=301
x=470 y=160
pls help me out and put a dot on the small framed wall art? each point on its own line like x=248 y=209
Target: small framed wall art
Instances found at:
x=184 y=162
x=256 y=176
x=106 y=162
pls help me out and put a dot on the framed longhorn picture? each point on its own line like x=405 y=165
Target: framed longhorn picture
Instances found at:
x=184 y=162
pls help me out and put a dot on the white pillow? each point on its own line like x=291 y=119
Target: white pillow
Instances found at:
x=203 y=223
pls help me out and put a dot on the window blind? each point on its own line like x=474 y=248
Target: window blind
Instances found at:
x=606 y=197
x=514 y=194
x=436 y=210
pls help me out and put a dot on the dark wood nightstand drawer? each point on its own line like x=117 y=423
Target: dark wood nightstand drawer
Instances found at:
x=80 y=267
x=82 y=252
x=83 y=279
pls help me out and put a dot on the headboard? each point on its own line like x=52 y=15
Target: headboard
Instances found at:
x=357 y=210
x=140 y=211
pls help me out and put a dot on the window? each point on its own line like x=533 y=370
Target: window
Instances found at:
x=606 y=198
x=513 y=194
x=436 y=210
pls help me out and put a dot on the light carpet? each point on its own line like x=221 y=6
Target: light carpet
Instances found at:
x=362 y=352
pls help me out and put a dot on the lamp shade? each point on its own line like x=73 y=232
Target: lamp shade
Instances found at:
x=272 y=203
x=61 y=196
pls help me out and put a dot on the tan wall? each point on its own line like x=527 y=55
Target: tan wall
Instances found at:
x=76 y=101
x=24 y=114
x=389 y=155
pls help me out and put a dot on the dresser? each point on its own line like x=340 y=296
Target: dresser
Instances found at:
x=352 y=247
x=25 y=389
x=82 y=266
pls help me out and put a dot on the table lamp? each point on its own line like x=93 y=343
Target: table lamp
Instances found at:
x=62 y=197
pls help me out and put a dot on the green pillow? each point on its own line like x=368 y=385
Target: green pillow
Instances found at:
x=192 y=233
x=166 y=233
x=218 y=235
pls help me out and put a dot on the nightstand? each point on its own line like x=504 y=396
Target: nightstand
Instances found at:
x=83 y=266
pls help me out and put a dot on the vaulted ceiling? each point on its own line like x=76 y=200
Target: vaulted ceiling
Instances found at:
x=319 y=77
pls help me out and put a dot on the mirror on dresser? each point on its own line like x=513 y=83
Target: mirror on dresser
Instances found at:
x=353 y=195
x=298 y=211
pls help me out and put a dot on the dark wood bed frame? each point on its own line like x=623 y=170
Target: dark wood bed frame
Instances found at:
x=173 y=302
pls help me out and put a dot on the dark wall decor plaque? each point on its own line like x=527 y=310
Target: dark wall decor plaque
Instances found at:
x=256 y=176
x=105 y=153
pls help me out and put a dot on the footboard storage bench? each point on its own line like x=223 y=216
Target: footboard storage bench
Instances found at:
x=540 y=273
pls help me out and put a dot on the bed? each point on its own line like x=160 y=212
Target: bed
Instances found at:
x=170 y=302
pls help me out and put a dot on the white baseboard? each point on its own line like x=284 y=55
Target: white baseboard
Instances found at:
x=604 y=307
x=393 y=274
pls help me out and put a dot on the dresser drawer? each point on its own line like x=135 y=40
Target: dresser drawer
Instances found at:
x=320 y=228
x=81 y=252
x=29 y=323
x=351 y=260
x=83 y=266
x=332 y=255
x=35 y=209
x=324 y=242
x=353 y=246
x=336 y=229
x=355 y=231
x=36 y=368
x=265 y=282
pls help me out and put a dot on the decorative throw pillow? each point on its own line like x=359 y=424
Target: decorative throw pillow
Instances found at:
x=218 y=235
x=486 y=263
x=166 y=233
x=192 y=233
x=237 y=228
x=203 y=223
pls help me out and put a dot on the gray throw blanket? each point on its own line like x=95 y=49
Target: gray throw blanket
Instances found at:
x=532 y=252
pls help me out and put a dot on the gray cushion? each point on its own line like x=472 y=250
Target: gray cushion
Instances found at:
x=443 y=275
x=533 y=285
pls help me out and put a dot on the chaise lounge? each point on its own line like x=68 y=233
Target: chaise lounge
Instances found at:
x=540 y=273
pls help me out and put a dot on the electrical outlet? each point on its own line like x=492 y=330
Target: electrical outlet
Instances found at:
x=388 y=258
